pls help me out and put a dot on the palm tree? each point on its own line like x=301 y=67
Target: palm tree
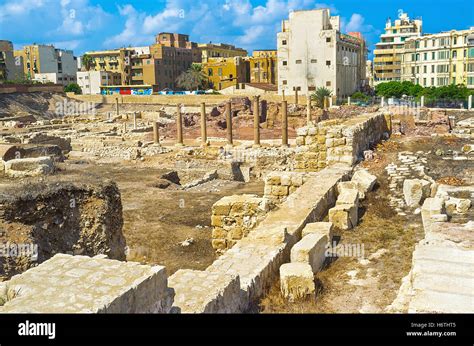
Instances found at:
x=192 y=79
x=87 y=62
x=319 y=95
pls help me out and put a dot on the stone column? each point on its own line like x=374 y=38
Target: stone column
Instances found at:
x=124 y=127
x=203 y=124
x=117 y=106
x=284 y=123
x=469 y=102
x=256 y=121
x=422 y=101
x=330 y=101
x=326 y=102
x=283 y=95
x=349 y=101
x=296 y=95
x=156 y=132
x=134 y=120
x=228 y=117
x=382 y=101
x=179 y=126
x=308 y=108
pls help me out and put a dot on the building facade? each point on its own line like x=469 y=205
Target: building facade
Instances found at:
x=92 y=81
x=45 y=63
x=263 y=67
x=115 y=61
x=312 y=53
x=440 y=59
x=226 y=72
x=389 y=51
x=220 y=50
x=10 y=67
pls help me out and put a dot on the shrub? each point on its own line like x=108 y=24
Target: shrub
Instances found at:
x=73 y=87
x=319 y=95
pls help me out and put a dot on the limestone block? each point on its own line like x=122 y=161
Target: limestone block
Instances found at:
x=280 y=190
x=364 y=180
x=351 y=185
x=300 y=140
x=297 y=180
x=221 y=207
x=344 y=216
x=462 y=204
x=29 y=167
x=348 y=196
x=325 y=228
x=311 y=250
x=302 y=131
x=218 y=244
x=432 y=206
x=273 y=179
x=285 y=179
x=415 y=191
x=296 y=281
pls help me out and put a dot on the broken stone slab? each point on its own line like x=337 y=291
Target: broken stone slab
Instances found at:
x=364 y=180
x=348 y=196
x=29 y=167
x=297 y=281
x=325 y=228
x=344 y=216
x=311 y=250
x=343 y=185
x=415 y=191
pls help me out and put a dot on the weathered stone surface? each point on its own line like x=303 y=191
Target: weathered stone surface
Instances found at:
x=311 y=250
x=296 y=280
x=364 y=180
x=348 y=196
x=29 y=167
x=80 y=284
x=325 y=228
x=343 y=185
x=415 y=191
x=344 y=216
x=204 y=292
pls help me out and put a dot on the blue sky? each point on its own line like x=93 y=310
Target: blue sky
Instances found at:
x=84 y=25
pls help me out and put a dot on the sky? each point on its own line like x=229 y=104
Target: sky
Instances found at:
x=85 y=25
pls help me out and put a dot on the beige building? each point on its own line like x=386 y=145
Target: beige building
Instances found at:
x=115 y=61
x=45 y=63
x=10 y=67
x=440 y=59
x=388 y=52
x=220 y=50
x=263 y=67
x=312 y=53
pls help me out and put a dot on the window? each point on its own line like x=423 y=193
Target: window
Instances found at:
x=413 y=70
x=312 y=88
x=470 y=67
x=433 y=42
x=328 y=39
x=328 y=83
x=424 y=81
x=432 y=68
x=285 y=62
x=425 y=56
x=471 y=53
x=283 y=42
x=454 y=68
x=314 y=61
x=298 y=62
x=285 y=82
x=418 y=69
x=442 y=69
x=432 y=82
x=453 y=80
x=455 y=40
x=470 y=80
x=425 y=68
x=455 y=54
x=417 y=57
x=433 y=55
x=444 y=54
x=219 y=72
x=328 y=62
x=210 y=72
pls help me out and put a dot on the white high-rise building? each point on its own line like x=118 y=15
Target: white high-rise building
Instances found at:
x=312 y=53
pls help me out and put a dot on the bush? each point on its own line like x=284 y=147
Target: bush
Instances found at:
x=360 y=96
x=398 y=89
x=74 y=88
x=318 y=96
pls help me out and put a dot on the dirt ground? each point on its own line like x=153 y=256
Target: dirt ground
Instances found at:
x=157 y=220
x=370 y=284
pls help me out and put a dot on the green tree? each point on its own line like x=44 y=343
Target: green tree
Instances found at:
x=73 y=87
x=318 y=96
x=192 y=79
x=87 y=62
x=359 y=96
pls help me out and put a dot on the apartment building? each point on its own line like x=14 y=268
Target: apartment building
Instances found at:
x=92 y=81
x=388 y=52
x=10 y=67
x=226 y=72
x=45 y=63
x=312 y=53
x=114 y=61
x=220 y=50
x=440 y=59
x=263 y=66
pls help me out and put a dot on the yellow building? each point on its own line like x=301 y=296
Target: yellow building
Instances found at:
x=263 y=67
x=388 y=52
x=225 y=72
x=440 y=59
x=221 y=50
x=117 y=61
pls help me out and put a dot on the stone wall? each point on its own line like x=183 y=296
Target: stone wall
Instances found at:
x=80 y=284
x=279 y=185
x=234 y=216
x=61 y=216
x=335 y=141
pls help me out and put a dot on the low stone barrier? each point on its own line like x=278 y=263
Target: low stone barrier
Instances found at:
x=80 y=284
x=279 y=185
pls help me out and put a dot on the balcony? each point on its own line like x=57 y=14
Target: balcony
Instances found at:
x=388 y=51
